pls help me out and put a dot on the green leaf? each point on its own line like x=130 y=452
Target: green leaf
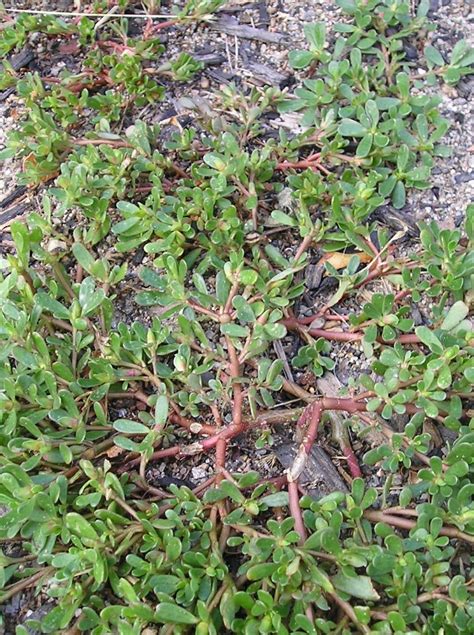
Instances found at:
x=275 y=256
x=52 y=306
x=455 y=316
x=428 y=338
x=58 y=618
x=83 y=257
x=165 y=583
x=365 y=145
x=169 y=613
x=316 y=35
x=397 y=622
x=284 y=219
x=300 y=59
x=243 y=308
x=248 y=277
x=80 y=526
x=173 y=548
x=359 y=586
x=127 y=207
x=222 y=288
x=152 y=278
x=234 y=330
x=274 y=371
x=459 y=51
x=215 y=161
x=126 y=225
x=279 y=499
x=232 y=491
x=434 y=56
x=7 y=153
x=161 y=410
x=469 y=374
x=402 y=157
x=372 y=111
x=127 y=426
x=127 y=444
x=263 y=570
x=351 y=128
x=444 y=377
x=320 y=578
x=275 y=331
x=399 y=195
x=213 y=495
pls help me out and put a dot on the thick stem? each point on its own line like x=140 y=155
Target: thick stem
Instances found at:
x=352 y=462
x=295 y=509
x=406 y=523
x=345 y=336
x=24 y=584
x=349 y=611
x=165 y=25
x=217 y=597
x=311 y=433
x=62 y=324
x=201 y=309
x=310 y=162
x=192 y=426
x=221 y=447
x=305 y=245
x=314 y=411
x=234 y=368
x=62 y=279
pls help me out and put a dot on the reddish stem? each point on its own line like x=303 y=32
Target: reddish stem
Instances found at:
x=201 y=309
x=138 y=394
x=352 y=461
x=305 y=245
x=227 y=433
x=308 y=319
x=160 y=454
x=346 y=404
x=165 y=25
x=295 y=509
x=405 y=523
x=115 y=143
x=312 y=431
x=191 y=425
x=345 y=336
x=234 y=369
x=221 y=447
x=310 y=162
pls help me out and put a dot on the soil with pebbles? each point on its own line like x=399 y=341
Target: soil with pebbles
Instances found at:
x=248 y=63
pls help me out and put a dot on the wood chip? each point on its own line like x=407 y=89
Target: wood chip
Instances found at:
x=319 y=475
x=266 y=74
x=231 y=26
x=396 y=219
x=12 y=213
x=22 y=58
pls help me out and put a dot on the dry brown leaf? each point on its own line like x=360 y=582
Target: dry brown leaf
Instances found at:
x=69 y=48
x=340 y=260
x=114 y=451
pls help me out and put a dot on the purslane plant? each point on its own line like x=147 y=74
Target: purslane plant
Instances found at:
x=88 y=404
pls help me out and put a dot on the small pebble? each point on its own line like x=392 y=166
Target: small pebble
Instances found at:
x=199 y=473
